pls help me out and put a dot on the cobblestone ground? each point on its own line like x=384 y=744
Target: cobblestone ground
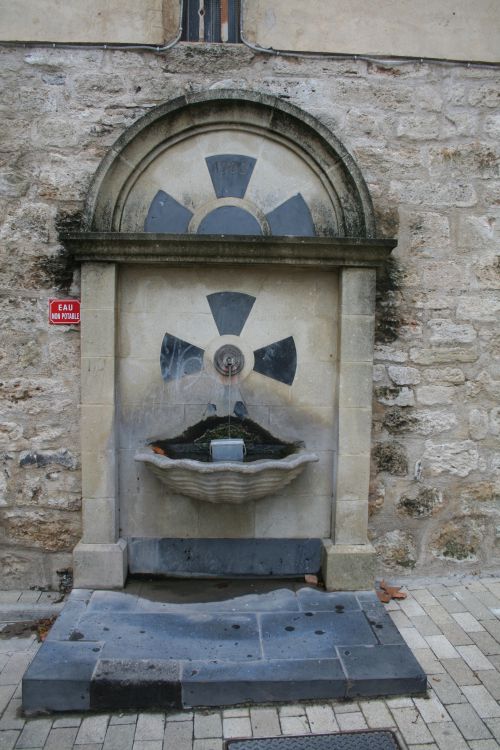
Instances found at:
x=452 y=626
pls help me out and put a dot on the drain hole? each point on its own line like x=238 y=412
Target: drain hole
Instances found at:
x=235 y=627
x=289 y=628
x=347 y=653
x=339 y=608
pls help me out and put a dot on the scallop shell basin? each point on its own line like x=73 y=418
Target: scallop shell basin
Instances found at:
x=225 y=481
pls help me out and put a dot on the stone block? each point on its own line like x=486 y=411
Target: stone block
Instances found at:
x=433 y=422
x=355 y=384
x=395 y=396
x=98 y=333
x=484 y=309
x=98 y=474
x=260 y=682
x=351 y=522
x=358 y=291
x=223 y=520
x=445 y=375
x=312 y=636
x=429 y=395
x=391 y=670
x=353 y=477
x=99 y=520
x=225 y=557
x=446 y=332
x=97 y=427
x=101 y=566
x=98 y=286
x=404 y=375
x=356 y=338
x=354 y=431
x=97 y=380
x=66 y=690
x=443 y=355
x=120 y=684
x=459 y=458
x=347 y=567
x=293 y=515
x=478 y=424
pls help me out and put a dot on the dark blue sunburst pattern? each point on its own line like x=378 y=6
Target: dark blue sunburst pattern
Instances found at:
x=230 y=311
x=230 y=175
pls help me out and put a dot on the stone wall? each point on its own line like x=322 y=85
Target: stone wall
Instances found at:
x=425 y=137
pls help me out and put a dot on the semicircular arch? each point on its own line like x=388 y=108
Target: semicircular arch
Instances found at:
x=244 y=161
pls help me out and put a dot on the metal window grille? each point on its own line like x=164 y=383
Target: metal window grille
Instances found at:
x=211 y=21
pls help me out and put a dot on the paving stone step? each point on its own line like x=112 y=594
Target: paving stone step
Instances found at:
x=112 y=650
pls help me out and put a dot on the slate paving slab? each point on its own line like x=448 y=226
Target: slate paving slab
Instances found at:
x=112 y=650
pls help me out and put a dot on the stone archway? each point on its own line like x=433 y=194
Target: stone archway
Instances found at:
x=301 y=152
x=226 y=191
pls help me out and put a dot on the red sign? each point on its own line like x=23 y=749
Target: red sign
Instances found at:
x=64 y=312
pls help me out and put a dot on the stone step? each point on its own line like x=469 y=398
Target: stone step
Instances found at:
x=114 y=650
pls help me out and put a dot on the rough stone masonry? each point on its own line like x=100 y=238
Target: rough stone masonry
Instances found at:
x=425 y=136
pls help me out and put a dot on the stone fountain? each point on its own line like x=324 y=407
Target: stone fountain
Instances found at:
x=228 y=293
x=227 y=225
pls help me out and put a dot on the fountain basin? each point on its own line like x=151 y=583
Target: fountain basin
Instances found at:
x=225 y=481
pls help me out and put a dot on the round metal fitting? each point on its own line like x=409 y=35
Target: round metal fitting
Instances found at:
x=229 y=360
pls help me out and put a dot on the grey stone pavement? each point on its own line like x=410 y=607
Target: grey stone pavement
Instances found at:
x=452 y=626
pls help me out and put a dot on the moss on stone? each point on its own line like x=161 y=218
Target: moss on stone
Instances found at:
x=421 y=506
x=398 y=419
x=391 y=457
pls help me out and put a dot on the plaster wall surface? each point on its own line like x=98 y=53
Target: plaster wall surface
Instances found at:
x=94 y=21
x=425 y=137
x=450 y=29
x=453 y=29
x=287 y=303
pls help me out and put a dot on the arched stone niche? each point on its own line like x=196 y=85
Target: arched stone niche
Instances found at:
x=226 y=152
x=241 y=194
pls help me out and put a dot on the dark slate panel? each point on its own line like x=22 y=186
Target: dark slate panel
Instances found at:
x=67 y=620
x=229 y=220
x=231 y=683
x=167 y=215
x=179 y=358
x=240 y=410
x=382 y=625
x=316 y=599
x=292 y=219
x=278 y=360
x=120 y=684
x=230 y=311
x=280 y=600
x=230 y=174
x=364 y=740
x=279 y=558
x=191 y=635
x=382 y=670
x=112 y=601
x=313 y=635
x=58 y=678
